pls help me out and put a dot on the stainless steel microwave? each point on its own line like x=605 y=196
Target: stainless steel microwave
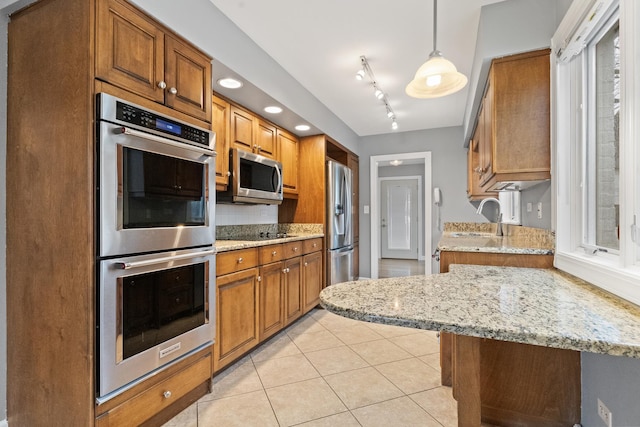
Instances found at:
x=255 y=179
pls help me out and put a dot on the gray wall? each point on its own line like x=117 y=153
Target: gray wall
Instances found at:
x=449 y=172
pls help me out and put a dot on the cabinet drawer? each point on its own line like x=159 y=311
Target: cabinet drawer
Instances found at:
x=232 y=261
x=135 y=411
x=293 y=249
x=271 y=253
x=312 y=245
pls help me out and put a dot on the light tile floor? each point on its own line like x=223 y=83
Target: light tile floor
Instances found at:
x=326 y=370
x=390 y=267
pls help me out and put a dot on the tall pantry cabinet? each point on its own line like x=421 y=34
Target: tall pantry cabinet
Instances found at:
x=61 y=54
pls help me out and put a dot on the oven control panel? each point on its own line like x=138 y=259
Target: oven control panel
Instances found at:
x=144 y=118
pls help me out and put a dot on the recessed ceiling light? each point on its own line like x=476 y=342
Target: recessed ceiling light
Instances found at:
x=303 y=127
x=230 y=83
x=273 y=109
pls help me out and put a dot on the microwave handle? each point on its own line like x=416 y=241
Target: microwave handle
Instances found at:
x=280 y=183
x=137 y=264
x=132 y=132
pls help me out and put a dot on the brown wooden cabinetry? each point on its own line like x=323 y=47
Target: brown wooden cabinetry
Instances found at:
x=288 y=156
x=85 y=47
x=220 y=120
x=271 y=299
x=137 y=54
x=251 y=133
x=144 y=406
x=474 y=190
x=546 y=393
x=513 y=124
x=260 y=291
x=312 y=280
x=237 y=296
x=292 y=283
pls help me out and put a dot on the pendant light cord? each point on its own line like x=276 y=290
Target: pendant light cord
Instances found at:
x=435 y=24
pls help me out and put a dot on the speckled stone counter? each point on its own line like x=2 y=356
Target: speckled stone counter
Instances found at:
x=230 y=236
x=530 y=306
x=481 y=237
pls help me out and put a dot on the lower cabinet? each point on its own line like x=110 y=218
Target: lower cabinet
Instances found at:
x=236 y=315
x=520 y=384
x=174 y=390
x=312 y=280
x=261 y=290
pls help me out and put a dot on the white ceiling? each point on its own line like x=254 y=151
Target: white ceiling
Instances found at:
x=319 y=42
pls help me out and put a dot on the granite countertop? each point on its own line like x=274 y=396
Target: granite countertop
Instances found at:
x=524 y=305
x=230 y=245
x=481 y=237
x=230 y=236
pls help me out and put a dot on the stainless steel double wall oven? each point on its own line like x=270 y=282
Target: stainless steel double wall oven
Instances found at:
x=155 y=252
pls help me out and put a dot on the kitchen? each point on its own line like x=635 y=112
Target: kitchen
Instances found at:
x=622 y=371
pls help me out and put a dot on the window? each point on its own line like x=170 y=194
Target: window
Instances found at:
x=596 y=144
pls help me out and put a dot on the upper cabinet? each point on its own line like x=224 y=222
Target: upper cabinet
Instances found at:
x=511 y=143
x=251 y=133
x=221 y=110
x=136 y=54
x=237 y=127
x=288 y=156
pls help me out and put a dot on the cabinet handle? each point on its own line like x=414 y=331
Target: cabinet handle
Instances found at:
x=259 y=278
x=288 y=269
x=284 y=270
x=173 y=90
x=273 y=253
x=315 y=245
x=228 y=173
x=259 y=148
x=306 y=264
x=162 y=85
x=240 y=260
x=166 y=394
x=295 y=249
x=255 y=146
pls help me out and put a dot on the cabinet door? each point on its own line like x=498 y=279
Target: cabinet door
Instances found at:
x=220 y=124
x=236 y=315
x=265 y=139
x=288 y=156
x=241 y=129
x=271 y=299
x=188 y=78
x=293 y=289
x=129 y=50
x=311 y=280
x=486 y=141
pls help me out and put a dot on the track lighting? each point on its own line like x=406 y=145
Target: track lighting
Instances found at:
x=366 y=71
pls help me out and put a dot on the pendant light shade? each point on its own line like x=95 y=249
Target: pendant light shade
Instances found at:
x=437 y=77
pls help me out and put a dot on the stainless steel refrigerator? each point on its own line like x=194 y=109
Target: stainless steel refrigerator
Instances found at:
x=339 y=224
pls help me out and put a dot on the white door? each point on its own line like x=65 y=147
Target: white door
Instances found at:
x=399 y=218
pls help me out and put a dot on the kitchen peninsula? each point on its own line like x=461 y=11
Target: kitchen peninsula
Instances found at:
x=539 y=307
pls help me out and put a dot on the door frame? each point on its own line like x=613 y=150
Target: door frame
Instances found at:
x=418 y=179
x=375 y=163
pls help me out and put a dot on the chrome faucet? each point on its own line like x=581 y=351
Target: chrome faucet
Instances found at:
x=499 y=223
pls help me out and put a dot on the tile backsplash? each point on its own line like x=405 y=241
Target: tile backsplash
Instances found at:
x=227 y=214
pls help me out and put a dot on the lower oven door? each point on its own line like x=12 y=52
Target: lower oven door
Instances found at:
x=153 y=310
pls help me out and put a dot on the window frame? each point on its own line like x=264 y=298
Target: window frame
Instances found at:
x=616 y=273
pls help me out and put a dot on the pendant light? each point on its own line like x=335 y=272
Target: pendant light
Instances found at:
x=437 y=77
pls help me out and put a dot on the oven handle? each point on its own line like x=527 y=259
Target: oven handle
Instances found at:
x=137 y=264
x=128 y=131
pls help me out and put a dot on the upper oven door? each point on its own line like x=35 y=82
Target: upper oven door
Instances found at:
x=155 y=193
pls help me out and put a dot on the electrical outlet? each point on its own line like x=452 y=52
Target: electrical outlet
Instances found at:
x=604 y=413
x=529 y=207
x=539 y=210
